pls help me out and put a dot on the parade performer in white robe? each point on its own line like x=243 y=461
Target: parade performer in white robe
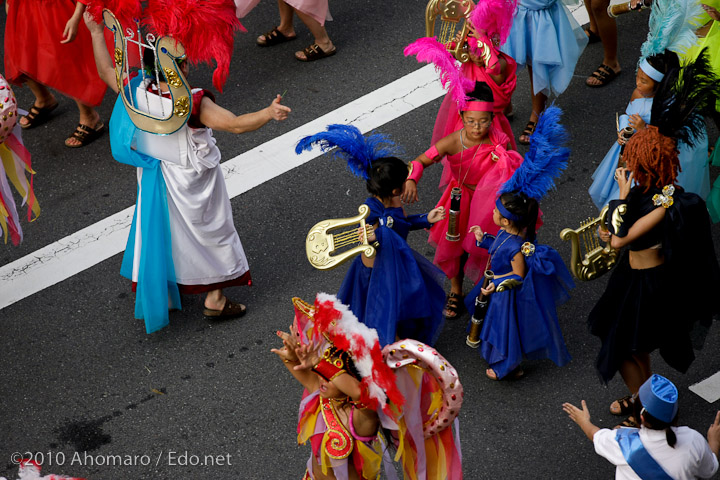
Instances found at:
x=196 y=248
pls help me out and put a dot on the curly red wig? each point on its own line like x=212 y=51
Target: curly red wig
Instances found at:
x=652 y=157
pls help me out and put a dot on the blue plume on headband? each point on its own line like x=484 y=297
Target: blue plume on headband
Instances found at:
x=672 y=27
x=545 y=160
x=352 y=146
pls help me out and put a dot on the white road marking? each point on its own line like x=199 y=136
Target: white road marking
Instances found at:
x=708 y=389
x=88 y=247
x=100 y=241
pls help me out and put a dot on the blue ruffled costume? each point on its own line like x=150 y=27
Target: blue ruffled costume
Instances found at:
x=402 y=295
x=545 y=36
x=694 y=177
x=522 y=321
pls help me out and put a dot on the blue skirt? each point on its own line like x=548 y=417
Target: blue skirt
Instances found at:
x=545 y=36
x=402 y=296
x=522 y=322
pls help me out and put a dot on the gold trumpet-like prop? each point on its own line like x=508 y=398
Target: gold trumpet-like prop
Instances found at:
x=321 y=244
x=589 y=259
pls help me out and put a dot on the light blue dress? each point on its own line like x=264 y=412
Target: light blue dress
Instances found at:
x=545 y=36
x=694 y=177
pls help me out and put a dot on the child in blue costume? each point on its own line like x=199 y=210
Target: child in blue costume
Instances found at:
x=695 y=174
x=547 y=38
x=530 y=280
x=398 y=292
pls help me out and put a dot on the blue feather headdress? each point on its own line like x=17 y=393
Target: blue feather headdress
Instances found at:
x=545 y=160
x=352 y=146
x=672 y=27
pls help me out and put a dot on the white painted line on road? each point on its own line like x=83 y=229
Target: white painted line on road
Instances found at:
x=88 y=247
x=708 y=389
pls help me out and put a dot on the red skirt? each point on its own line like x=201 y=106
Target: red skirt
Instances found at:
x=33 y=31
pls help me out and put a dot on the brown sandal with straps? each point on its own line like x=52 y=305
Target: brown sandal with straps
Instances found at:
x=529 y=130
x=314 y=52
x=37 y=116
x=453 y=306
x=625 y=404
x=274 y=37
x=85 y=135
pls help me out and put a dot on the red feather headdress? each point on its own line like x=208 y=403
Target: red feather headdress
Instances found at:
x=205 y=27
x=331 y=321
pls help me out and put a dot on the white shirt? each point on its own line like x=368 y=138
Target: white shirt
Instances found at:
x=691 y=457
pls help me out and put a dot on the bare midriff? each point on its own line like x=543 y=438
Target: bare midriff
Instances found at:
x=644 y=259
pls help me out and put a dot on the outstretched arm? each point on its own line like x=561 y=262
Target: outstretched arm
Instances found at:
x=436 y=152
x=103 y=62
x=216 y=117
x=582 y=418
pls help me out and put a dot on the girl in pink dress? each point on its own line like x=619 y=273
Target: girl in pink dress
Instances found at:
x=479 y=163
x=490 y=25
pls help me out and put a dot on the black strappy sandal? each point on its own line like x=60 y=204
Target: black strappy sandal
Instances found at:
x=453 y=306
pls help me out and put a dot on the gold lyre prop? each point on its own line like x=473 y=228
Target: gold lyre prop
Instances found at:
x=167 y=52
x=589 y=258
x=326 y=250
x=453 y=16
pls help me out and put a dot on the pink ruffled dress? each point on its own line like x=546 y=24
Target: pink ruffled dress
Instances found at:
x=479 y=171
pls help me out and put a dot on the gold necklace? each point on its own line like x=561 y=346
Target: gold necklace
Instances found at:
x=462 y=144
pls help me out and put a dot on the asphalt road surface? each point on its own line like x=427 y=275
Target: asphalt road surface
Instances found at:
x=80 y=381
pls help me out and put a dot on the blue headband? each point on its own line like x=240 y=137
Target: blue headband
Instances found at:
x=505 y=212
x=660 y=398
x=650 y=70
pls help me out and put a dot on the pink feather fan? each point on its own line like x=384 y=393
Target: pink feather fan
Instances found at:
x=495 y=17
x=428 y=49
x=205 y=27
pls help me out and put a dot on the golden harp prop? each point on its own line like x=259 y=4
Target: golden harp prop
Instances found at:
x=326 y=250
x=589 y=259
x=167 y=52
x=453 y=18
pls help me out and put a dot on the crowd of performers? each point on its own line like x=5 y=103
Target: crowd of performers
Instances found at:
x=361 y=399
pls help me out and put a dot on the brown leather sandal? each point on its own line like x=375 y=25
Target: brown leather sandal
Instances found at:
x=529 y=130
x=274 y=37
x=37 y=116
x=453 y=306
x=229 y=311
x=85 y=135
x=314 y=52
x=625 y=405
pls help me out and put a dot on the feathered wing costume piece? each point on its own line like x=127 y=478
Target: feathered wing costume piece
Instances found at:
x=352 y=146
x=15 y=165
x=672 y=27
x=683 y=98
x=205 y=28
x=428 y=49
x=546 y=159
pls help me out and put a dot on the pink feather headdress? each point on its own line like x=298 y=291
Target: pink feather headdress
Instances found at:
x=428 y=49
x=494 y=18
x=205 y=27
x=328 y=320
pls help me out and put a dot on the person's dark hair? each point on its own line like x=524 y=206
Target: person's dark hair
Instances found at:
x=481 y=93
x=386 y=175
x=655 y=424
x=666 y=63
x=524 y=207
x=149 y=65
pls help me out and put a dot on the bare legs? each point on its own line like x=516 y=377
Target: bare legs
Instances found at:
x=45 y=98
x=215 y=299
x=635 y=371
x=538 y=105
x=606 y=27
